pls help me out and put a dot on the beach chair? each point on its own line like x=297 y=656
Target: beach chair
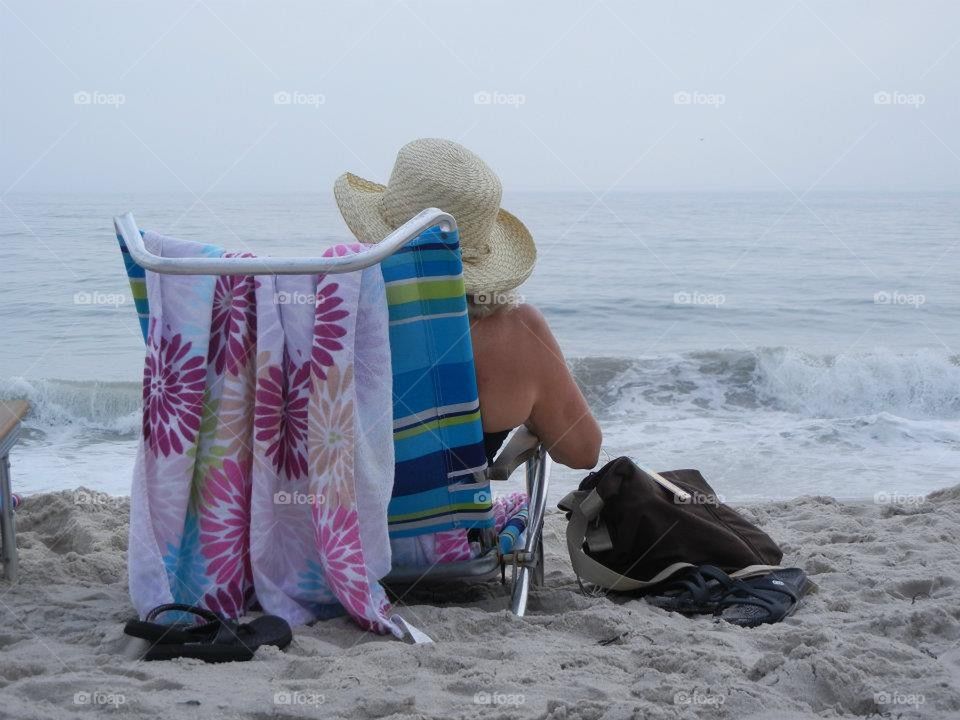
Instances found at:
x=11 y=413
x=442 y=485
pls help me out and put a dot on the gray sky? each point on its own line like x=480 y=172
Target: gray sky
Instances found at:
x=572 y=95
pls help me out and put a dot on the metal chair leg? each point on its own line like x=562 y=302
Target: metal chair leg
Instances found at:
x=531 y=567
x=8 y=531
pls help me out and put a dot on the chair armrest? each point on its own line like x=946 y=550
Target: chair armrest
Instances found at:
x=520 y=448
x=11 y=413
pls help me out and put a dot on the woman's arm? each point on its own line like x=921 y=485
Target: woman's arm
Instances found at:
x=560 y=416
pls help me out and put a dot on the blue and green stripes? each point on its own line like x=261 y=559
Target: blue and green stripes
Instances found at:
x=438 y=436
x=138 y=286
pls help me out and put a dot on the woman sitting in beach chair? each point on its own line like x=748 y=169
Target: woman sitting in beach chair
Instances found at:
x=450 y=352
x=521 y=374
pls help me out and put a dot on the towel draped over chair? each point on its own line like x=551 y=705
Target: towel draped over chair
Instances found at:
x=266 y=461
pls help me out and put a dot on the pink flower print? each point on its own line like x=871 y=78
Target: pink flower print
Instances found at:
x=280 y=417
x=505 y=507
x=230 y=602
x=451 y=546
x=377 y=623
x=326 y=328
x=225 y=523
x=233 y=321
x=341 y=556
x=343 y=249
x=332 y=434
x=235 y=418
x=173 y=384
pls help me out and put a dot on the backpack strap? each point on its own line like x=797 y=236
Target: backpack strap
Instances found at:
x=584 y=508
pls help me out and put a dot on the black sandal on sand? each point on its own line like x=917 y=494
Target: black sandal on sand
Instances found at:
x=216 y=640
x=178 y=632
x=766 y=599
x=695 y=590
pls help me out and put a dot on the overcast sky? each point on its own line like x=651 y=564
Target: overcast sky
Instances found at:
x=283 y=96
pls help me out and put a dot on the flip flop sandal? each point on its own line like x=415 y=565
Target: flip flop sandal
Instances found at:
x=217 y=640
x=765 y=599
x=696 y=590
x=179 y=632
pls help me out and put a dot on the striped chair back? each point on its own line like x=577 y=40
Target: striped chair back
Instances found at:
x=439 y=483
x=138 y=287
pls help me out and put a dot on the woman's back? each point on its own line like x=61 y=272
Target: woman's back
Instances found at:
x=524 y=380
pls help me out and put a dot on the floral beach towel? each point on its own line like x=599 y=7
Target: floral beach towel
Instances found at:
x=266 y=460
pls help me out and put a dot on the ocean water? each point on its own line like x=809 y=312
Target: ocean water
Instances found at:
x=782 y=347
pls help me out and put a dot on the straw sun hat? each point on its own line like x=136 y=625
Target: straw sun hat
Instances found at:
x=498 y=251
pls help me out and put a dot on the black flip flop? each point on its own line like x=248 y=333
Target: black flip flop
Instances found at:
x=178 y=632
x=217 y=640
x=765 y=599
x=695 y=590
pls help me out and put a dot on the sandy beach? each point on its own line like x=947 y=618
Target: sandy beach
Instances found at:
x=880 y=637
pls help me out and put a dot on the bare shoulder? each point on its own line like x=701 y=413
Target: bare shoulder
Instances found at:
x=528 y=313
x=527 y=320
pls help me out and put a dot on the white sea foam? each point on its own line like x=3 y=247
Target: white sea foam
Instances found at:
x=924 y=384
x=56 y=405
x=771 y=422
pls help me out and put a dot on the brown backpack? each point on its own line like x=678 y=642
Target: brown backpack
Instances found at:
x=630 y=529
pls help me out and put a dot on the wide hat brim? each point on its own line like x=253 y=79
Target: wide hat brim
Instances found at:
x=509 y=262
